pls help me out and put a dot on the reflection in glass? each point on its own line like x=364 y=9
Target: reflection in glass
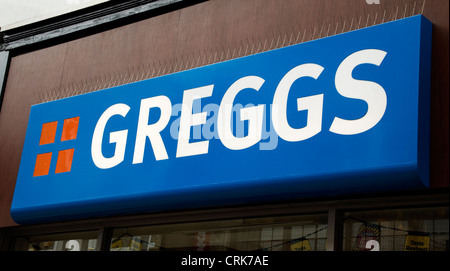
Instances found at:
x=78 y=241
x=424 y=229
x=296 y=233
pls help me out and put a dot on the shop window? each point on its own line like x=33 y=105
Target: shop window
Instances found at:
x=297 y=233
x=424 y=229
x=75 y=241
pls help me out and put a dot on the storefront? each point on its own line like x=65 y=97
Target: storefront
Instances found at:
x=227 y=126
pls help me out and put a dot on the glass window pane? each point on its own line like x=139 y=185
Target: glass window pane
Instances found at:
x=298 y=233
x=74 y=241
x=422 y=229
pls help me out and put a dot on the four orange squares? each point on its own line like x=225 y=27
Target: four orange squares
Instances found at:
x=65 y=157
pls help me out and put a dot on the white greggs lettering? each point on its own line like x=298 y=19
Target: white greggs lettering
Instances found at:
x=370 y=92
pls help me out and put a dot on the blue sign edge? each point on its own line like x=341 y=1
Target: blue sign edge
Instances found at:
x=424 y=110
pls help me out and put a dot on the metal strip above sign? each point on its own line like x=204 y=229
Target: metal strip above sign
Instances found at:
x=341 y=115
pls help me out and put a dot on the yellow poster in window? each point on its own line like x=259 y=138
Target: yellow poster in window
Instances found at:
x=136 y=244
x=301 y=246
x=417 y=243
x=116 y=244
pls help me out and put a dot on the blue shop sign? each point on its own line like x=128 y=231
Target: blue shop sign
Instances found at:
x=340 y=115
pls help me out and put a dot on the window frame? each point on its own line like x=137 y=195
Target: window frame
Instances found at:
x=335 y=210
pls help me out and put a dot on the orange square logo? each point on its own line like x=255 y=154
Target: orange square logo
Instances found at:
x=64 y=163
x=42 y=165
x=65 y=157
x=48 y=133
x=70 y=129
